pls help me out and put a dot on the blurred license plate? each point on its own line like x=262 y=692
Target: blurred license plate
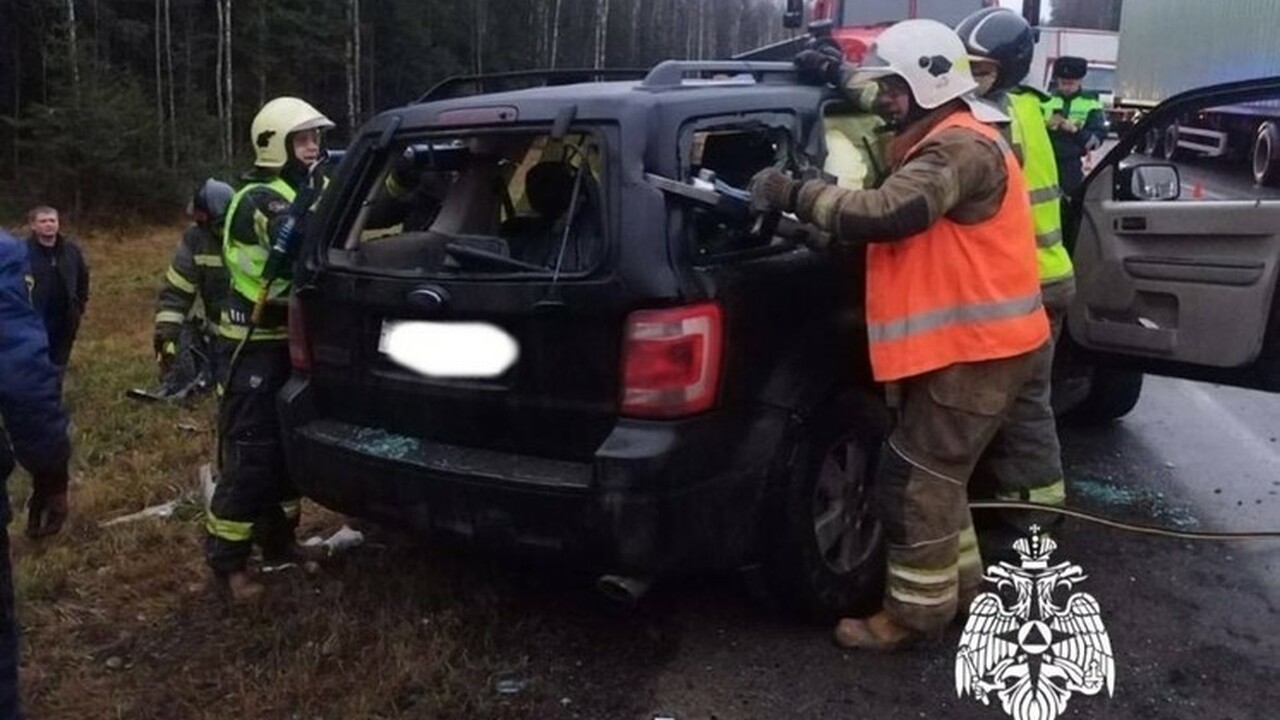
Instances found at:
x=449 y=349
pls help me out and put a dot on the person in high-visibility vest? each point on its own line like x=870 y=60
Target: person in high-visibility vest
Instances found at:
x=254 y=499
x=953 y=312
x=1025 y=459
x=1077 y=124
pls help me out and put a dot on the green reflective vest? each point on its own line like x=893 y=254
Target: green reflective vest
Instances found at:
x=1035 y=150
x=245 y=259
x=1078 y=113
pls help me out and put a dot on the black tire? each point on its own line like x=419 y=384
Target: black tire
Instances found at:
x=1112 y=394
x=843 y=573
x=1266 y=163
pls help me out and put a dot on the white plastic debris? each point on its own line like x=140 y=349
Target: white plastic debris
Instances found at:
x=511 y=685
x=1148 y=323
x=163 y=510
x=344 y=539
x=207 y=483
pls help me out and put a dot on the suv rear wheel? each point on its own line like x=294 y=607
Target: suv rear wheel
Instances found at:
x=826 y=557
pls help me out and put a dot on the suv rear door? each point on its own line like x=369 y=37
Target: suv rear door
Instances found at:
x=1184 y=286
x=563 y=308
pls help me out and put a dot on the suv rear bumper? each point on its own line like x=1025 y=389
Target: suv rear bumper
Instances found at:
x=650 y=502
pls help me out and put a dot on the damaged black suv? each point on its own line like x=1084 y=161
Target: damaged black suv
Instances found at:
x=691 y=389
x=542 y=319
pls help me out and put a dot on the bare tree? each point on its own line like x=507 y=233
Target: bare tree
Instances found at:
x=352 y=62
x=262 y=52
x=481 y=27
x=633 y=48
x=224 y=86
x=159 y=89
x=229 y=92
x=74 y=49
x=555 y=32
x=219 y=86
x=602 y=32
x=702 y=30
x=173 y=112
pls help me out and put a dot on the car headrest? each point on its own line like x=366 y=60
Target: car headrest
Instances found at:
x=549 y=188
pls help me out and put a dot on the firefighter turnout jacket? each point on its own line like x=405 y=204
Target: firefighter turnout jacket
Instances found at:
x=195 y=285
x=945 y=284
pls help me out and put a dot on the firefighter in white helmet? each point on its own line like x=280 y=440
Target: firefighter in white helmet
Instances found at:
x=254 y=500
x=953 y=311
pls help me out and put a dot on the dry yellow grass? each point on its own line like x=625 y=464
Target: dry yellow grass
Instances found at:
x=118 y=622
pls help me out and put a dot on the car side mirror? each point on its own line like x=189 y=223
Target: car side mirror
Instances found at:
x=793 y=17
x=1150 y=181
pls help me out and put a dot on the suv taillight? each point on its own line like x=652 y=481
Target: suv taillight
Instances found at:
x=671 y=361
x=299 y=348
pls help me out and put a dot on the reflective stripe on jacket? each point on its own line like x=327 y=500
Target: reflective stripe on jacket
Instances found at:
x=196 y=272
x=955 y=292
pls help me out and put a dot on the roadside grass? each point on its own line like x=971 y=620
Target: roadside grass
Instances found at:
x=119 y=622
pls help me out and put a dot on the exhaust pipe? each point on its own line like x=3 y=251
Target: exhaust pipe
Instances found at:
x=623 y=589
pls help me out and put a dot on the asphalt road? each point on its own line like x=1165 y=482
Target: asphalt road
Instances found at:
x=1195 y=626
x=1220 y=179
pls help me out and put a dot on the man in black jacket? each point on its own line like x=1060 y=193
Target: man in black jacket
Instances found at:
x=60 y=282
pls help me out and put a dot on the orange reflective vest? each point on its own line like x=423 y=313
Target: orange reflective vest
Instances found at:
x=957 y=293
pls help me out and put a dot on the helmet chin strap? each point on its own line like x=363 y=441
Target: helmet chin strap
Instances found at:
x=914 y=114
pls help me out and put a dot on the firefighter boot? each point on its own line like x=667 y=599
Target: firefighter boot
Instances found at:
x=241 y=588
x=878 y=632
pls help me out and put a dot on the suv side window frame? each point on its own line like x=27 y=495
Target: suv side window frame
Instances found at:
x=333 y=249
x=785 y=121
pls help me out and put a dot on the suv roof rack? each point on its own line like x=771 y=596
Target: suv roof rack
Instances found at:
x=671 y=73
x=465 y=85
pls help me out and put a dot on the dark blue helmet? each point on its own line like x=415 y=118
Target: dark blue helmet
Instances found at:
x=1002 y=35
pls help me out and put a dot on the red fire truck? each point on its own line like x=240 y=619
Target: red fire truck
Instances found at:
x=854 y=24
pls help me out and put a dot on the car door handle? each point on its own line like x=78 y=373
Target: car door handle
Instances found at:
x=1131 y=224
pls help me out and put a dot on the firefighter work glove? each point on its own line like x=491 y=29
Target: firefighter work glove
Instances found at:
x=166 y=354
x=47 y=510
x=773 y=191
x=822 y=65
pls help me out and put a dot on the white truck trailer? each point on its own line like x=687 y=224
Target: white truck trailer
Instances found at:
x=1169 y=46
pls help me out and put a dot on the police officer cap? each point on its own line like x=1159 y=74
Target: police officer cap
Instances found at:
x=1070 y=68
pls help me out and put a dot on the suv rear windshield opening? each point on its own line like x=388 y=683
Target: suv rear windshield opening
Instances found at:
x=493 y=203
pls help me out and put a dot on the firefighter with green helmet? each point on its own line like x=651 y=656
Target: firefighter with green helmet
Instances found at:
x=254 y=501
x=1025 y=458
